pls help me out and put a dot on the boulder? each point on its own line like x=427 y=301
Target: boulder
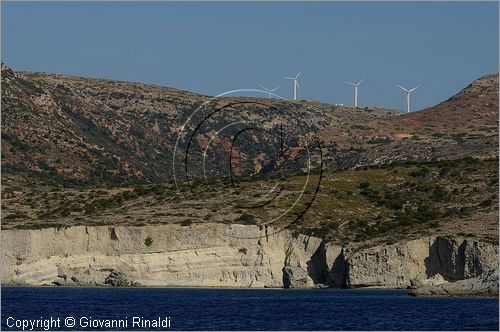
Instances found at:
x=117 y=279
x=435 y=280
x=296 y=277
x=484 y=285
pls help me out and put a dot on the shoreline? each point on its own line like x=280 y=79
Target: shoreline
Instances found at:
x=218 y=256
x=408 y=291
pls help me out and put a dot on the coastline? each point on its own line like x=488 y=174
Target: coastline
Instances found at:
x=408 y=292
x=233 y=256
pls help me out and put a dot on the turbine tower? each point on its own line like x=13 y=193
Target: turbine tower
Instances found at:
x=295 y=84
x=408 y=91
x=356 y=91
x=270 y=91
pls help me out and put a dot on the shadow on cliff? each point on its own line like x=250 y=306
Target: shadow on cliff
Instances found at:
x=317 y=269
x=446 y=257
x=320 y=273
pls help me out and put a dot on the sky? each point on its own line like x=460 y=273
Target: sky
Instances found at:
x=211 y=48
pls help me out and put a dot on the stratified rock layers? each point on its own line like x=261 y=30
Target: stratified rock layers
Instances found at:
x=219 y=255
x=397 y=265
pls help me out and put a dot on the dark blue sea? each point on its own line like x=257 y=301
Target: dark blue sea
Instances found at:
x=243 y=309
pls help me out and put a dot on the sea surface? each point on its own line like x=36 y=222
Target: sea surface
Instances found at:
x=244 y=309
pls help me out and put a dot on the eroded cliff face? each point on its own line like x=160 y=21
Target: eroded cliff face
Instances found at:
x=484 y=285
x=209 y=255
x=219 y=255
x=405 y=264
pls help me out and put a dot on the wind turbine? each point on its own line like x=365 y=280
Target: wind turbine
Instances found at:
x=408 y=91
x=356 y=91
x=295 y=84
x=270 y=91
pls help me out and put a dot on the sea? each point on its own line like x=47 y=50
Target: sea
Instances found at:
x=66 y=308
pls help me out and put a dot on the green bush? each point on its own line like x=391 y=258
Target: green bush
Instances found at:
x=388 y=225
x=426 y=213
x=422 y=172
x=371 y=231
x=320 y=232
x=364 y=185
x=148 y=241
x=247 y=219
x=393 y=200
x=404 y=219
x=371 y=194
x=486 y=203
x=439 y=193
x=362 y=222
x=187 y=222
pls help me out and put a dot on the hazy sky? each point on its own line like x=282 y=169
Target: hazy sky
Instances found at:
x=215 y=47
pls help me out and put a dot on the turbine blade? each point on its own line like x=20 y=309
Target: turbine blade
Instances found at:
x=415 y=88
x=276 y=88
x=263 y=87
x=297 y=82
x=403 y=88
x=300 y=72
x=360 y=82
x=289 y=78
x=351 y=83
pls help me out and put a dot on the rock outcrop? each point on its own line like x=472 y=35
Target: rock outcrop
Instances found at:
x=484 y=285
x=401 y=264
x=117 y=279
x=208 y=255
x=435 y=280
x=221 y=255
x=296 y=277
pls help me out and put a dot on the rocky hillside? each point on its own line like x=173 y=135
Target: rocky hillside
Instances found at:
x=464 y=125
x=72 y=131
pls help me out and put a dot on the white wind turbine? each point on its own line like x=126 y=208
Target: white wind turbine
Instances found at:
x=408 y=91
x=270 y=91
x=295 y=84
x=356 y=91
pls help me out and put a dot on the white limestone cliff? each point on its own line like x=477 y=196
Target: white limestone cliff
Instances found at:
x=220 y=255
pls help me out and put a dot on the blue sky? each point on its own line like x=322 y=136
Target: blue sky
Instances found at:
x=215 y=47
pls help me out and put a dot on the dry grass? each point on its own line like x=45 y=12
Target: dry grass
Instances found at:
x=372 y=204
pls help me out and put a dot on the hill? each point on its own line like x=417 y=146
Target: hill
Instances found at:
x=75 y=132
x=466 y=125
x=79 y=151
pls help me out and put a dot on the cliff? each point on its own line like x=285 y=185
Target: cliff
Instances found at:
x=212 y=255
x=218 y=255
x=484 y=285
x=409 y=263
